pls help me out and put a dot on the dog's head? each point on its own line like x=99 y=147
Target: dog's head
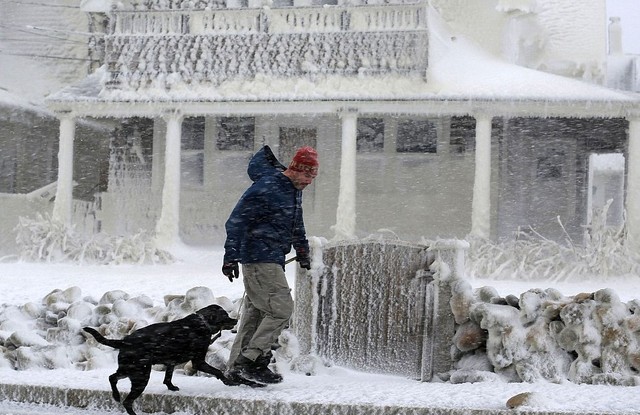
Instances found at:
x=217 y=317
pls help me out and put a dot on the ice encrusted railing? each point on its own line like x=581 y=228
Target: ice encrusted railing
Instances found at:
x=380 y=306
x=397 y=17
x=211 y=46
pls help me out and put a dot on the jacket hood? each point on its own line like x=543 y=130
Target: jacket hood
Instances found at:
x=264 y=163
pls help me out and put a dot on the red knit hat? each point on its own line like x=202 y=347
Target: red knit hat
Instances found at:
x=305 y=160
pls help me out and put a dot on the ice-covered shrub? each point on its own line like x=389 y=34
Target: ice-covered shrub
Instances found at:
x=604 y=253
x=46 y=239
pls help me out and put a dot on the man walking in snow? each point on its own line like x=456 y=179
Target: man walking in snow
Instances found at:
x=265 y=223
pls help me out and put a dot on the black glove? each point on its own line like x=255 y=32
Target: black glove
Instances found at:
x=304 y=261
x=231 y=270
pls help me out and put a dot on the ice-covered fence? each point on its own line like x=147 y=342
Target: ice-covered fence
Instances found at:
x=375 y=306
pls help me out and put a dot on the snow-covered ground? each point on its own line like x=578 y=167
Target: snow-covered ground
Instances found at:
x=31 y=282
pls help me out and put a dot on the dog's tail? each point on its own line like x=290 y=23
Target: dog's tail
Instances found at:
x=116 y=344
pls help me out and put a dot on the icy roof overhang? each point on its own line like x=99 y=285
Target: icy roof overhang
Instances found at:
x=461 y=79
x=7 y=99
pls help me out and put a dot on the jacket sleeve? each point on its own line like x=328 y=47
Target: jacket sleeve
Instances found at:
x=243 y=214
x=300 y=242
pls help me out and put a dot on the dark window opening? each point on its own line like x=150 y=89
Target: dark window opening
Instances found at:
x=462 y=135
x=417 y=136
x=236 y=133
x=370 y=136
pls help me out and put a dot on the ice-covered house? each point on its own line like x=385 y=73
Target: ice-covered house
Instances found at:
x=438 y=118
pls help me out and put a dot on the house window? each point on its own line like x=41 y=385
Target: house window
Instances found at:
x=236 y=133
x=462 y=135
x=550 y=165
x=417 y=136
x=192 y=151
x=370 y=136
x=292 y=138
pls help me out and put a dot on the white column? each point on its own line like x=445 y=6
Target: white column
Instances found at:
x=62 y=206
x=615 y=36
x=345 y=227
x=481 y=205
x=168 y=226
x=632 y=204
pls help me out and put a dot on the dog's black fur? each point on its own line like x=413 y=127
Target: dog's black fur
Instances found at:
x=168 y=344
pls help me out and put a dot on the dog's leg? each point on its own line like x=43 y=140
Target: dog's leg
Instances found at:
x=113 y=380
x=168 y=375
x=139 y=379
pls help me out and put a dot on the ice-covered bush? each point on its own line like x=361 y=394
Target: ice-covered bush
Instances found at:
x=46 y=239
x=604 y=253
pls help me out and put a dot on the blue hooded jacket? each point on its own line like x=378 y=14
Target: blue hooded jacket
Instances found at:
x=267 y=219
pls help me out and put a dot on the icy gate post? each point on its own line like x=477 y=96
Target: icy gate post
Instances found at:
x=375 y=306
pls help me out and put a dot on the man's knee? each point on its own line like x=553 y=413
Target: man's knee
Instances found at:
x=282 y=305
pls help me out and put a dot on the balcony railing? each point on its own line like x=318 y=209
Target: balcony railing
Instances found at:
x=210 y=46
x=398 y=17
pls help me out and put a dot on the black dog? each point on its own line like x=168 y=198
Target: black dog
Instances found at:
x=169 y=344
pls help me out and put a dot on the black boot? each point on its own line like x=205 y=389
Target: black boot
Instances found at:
x=255 y=371
x=265 y=360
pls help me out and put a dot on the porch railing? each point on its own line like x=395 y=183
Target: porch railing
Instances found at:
x=211 y=46
x=398 y=17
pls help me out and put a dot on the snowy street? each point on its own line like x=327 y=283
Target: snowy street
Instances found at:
x=342 y=390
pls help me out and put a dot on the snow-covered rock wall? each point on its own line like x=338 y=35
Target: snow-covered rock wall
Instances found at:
x=542 y=335
x=48 y=334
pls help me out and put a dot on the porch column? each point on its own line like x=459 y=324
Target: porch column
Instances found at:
x=345 y=227
x=62 y=207
x=632 y=204
x=168 y=226
x=481 y=205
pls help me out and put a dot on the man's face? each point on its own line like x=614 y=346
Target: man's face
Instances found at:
x=302 y=179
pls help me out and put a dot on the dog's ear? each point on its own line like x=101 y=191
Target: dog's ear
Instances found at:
x=211 y=313
x=205 y=311
x=217 y=317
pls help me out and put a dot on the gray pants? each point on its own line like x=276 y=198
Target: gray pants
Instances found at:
x=267 y=307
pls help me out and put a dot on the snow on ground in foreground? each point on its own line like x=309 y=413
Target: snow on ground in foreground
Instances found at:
x=24 y=282
x=339 y=385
